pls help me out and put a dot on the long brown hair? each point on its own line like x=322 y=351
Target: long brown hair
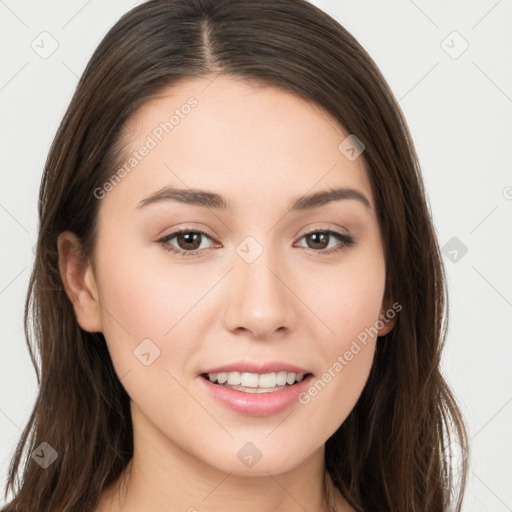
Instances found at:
x=393 y=452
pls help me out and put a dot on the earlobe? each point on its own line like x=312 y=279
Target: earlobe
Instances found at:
x=389 y=323
x=387 y=317
x=79 y=282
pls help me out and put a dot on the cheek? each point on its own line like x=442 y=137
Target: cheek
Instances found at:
x=349 y=304
x=139 y=304
x=349 y=299
x=347 y=355
x=149 y=330
x=333 y=394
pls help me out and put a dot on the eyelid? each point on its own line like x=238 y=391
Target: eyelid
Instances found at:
x=324 y=229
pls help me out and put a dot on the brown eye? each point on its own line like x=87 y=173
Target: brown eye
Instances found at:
x=319 y=241
x=188 y=242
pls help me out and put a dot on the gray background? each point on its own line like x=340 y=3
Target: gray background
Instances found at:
x=458 y=105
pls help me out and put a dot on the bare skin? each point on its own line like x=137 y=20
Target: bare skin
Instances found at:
x=260 y=148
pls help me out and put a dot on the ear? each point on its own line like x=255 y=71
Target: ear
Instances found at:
x=79 y=282
x=388 y=315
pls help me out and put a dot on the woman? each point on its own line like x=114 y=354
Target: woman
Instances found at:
x=238 y=294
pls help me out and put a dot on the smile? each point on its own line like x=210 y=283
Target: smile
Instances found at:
x=255 y=382
x=252 y=400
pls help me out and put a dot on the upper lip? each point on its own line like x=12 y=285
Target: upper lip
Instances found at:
x=254 y=367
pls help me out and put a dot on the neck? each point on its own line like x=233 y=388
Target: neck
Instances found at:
x=162 y=476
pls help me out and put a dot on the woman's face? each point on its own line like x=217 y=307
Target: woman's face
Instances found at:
x=271 y=286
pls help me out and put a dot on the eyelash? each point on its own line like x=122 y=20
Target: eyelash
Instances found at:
x=346 y=241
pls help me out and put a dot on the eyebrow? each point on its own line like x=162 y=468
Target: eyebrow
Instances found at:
x=212 y=200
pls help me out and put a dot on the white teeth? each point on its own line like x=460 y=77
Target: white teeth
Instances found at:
x=234 y=378
x=267 y=380
x=255 y=380
x=249 y=380
x=281 y=378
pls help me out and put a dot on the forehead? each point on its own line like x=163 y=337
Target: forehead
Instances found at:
x=218 y=132
x=231 y=102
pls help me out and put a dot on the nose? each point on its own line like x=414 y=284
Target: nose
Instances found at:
x=260 y=299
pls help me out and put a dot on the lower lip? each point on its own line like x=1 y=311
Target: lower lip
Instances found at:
x=256 y=404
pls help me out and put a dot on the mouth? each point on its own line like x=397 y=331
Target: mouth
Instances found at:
x=255 y=382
